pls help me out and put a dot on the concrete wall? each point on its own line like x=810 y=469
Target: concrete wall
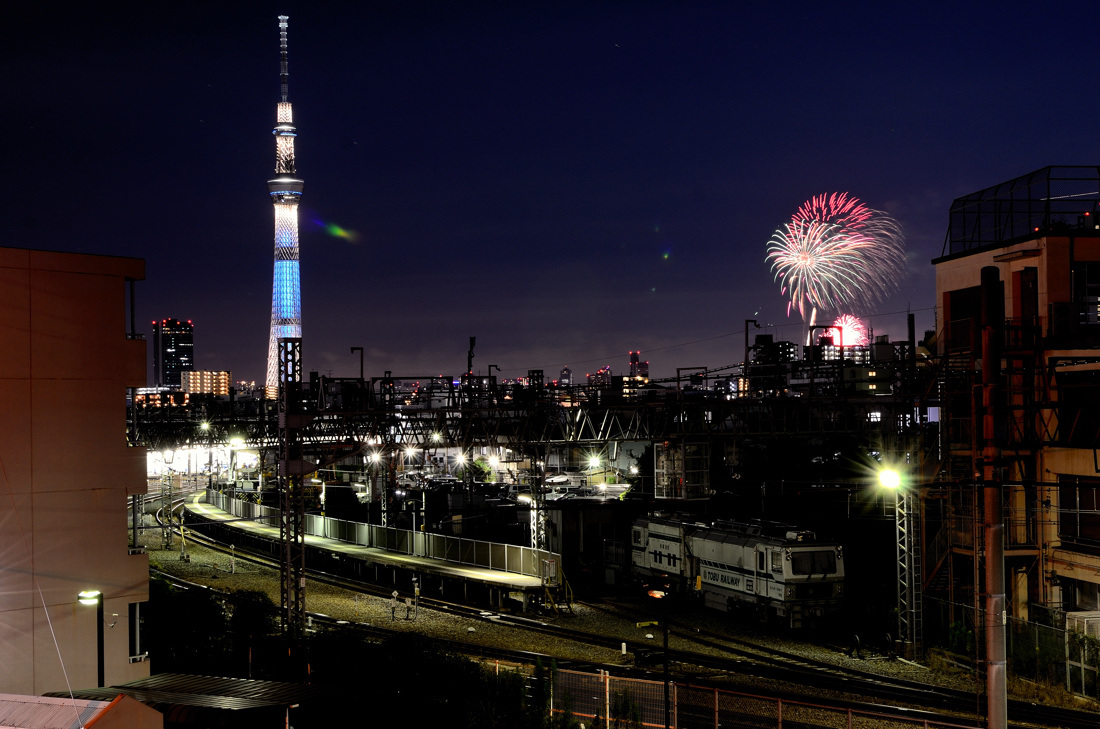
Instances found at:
x=65 y=468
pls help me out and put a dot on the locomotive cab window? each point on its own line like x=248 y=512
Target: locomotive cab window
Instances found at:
x=813 y=563
x=777 y=562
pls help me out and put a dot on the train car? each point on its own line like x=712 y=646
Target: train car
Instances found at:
x=778 y=570
x=657 y=549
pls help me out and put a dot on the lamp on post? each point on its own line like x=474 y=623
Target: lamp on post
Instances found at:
x=209 y=455
x=663 y=596
x=595 y=470
x=95 y=597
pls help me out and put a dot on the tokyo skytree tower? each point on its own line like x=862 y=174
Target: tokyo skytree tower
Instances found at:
x=285 y=189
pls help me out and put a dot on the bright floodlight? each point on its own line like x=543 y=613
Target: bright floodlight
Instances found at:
x=374 y=457
x=889 y=478
x=236 y=442
x=594 y=462
x=205 y=426
x=461 y=458
x=410 y=452
x=437 y=437
x=494 y=461
x=88 y=597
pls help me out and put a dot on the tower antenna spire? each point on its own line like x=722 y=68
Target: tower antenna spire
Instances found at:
x=284 y=74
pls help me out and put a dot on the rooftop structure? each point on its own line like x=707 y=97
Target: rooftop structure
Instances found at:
x=1060 y=199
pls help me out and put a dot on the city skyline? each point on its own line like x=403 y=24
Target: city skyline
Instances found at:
x=566 y=183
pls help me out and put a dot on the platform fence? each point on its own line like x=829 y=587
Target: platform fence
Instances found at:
x=489 y=555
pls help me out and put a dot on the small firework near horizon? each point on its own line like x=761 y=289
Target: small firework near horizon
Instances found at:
x=835 y=253
x=849 y=331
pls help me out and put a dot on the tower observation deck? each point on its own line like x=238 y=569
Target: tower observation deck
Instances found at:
x=285 y=189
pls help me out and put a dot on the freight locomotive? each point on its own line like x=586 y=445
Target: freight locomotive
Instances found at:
x=778 y=570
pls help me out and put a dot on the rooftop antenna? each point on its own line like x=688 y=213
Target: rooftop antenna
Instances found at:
x=283 y=73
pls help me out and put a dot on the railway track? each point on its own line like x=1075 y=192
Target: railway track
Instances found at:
x=699 y=656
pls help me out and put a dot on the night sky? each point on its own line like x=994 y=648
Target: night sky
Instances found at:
x=566 y=181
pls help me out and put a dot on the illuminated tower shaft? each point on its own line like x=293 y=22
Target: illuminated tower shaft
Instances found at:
x=285 y=189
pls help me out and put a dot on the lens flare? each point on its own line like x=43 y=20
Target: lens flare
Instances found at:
x=337 y=232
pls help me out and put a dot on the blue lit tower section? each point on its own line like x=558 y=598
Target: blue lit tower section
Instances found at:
x=285 y=189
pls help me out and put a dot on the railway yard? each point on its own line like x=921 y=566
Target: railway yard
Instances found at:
x=703 y=645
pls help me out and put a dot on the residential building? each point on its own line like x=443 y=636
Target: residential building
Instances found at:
x=65 y=368
x=1018 y=310
x=207 y=381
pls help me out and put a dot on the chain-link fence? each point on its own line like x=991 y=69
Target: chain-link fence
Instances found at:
x=593 y=697
x=601 y=700
x=1039 y=649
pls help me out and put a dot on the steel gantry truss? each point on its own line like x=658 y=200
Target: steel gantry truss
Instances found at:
x=291 y=469
x=909 y=575
x=573 y=417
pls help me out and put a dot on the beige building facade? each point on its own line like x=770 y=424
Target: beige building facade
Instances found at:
x=1035 y=418
x=67 y=473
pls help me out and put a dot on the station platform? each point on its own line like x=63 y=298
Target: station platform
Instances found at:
x=459 y=581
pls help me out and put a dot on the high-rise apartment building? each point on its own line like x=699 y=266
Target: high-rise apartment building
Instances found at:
x=173 y=351
x=206 y=381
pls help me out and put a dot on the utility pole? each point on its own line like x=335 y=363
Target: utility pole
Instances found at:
x=757 y=325
x=360 y=351
x=995 y=613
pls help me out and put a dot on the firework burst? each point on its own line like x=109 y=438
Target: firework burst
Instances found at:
x=836 y=252
x=848 y=331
